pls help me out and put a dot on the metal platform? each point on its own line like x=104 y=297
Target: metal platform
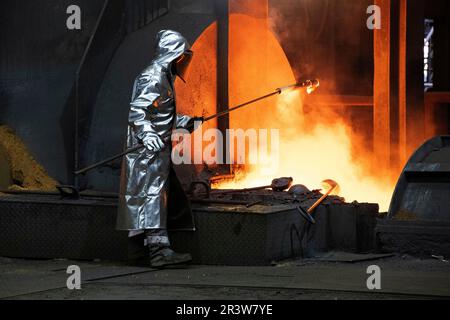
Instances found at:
x=45 y=226
x=418 y=221
x=418 y=238
x=261 y=235
x=423 y=189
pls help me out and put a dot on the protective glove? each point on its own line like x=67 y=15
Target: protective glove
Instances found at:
x=196 y=119
x=195 y=122
x=153 y=142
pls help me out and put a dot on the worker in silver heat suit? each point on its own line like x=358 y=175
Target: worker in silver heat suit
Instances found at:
x=151 y=197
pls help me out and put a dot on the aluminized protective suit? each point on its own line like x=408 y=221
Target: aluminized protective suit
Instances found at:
x=147 y=177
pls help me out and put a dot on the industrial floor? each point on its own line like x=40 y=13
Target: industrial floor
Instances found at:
x=334 y=275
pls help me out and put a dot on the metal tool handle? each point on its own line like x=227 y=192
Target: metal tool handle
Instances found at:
x=307 y=83
x=224 y=112
x=311 y=209
x=311 y=85
x=139 y=146
x=100 y=163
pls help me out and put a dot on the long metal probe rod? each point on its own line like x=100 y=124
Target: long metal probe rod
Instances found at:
x=105 y=161
x=140 y=146
x=307 y=83
x=224 y=112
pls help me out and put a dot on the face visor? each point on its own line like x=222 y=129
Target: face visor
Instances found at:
x=181 y=64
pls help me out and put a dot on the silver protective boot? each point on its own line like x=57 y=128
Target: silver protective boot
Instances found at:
x=159 y=250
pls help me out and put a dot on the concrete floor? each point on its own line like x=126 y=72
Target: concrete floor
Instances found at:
x=332 y=276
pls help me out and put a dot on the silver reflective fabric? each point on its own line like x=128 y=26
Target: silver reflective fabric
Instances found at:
x=144 y=186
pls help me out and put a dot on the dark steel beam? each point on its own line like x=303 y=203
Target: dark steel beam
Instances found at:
x=222 y=13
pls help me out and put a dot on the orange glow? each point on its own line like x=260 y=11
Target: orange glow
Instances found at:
x=198 y=95
x=257 y=65
x=313 y=147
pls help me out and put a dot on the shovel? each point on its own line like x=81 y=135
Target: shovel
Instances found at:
x=328 y=184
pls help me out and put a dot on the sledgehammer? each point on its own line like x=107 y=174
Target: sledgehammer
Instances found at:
x=327 y=184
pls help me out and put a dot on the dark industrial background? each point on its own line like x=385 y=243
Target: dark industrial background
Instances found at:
x=66 y=94
x=50 y=76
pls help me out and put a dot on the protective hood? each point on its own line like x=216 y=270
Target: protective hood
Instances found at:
x=170 y=45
